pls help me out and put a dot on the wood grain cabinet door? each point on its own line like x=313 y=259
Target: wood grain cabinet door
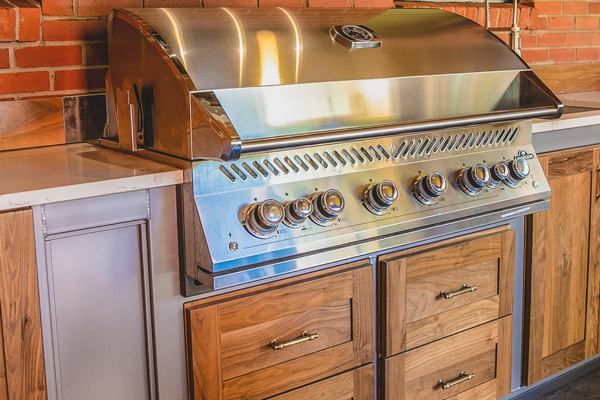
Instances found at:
x=475 y=272
x=290 y=337
x=562 y=272
x=22 y=374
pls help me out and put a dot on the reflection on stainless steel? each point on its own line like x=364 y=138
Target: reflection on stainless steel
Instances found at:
x=300 y=151
x=436 y=70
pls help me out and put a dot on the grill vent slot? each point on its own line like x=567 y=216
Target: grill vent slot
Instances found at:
x=299 y=161
x=349 y=156
x=271 y=167
x=281 y=166
x=260 y=169
x=416 y=147
x=228 y=174
x=311 y=161
x=357 y=154
x=320 y=160
x=367 y=154
x=289 y=162
x=330 y=159
x=250 y=171
x=239 y=172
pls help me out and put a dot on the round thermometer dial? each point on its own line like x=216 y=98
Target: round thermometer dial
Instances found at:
x=357 y=33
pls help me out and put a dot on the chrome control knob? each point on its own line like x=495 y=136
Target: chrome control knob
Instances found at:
x=498 y=173
x=428 y=188
x=262 y=219
x=517 y=171
x=378 y=197
x=296 y=212
x=327 y=206
x=472 y=179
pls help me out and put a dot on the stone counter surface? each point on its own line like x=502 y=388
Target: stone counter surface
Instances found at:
x=58 y=173
x=67 y=172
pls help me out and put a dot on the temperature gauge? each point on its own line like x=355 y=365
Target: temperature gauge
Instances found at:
x=355 y=36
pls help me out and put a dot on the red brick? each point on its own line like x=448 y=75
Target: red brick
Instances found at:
x=503 y=36
x=523 y=20
x=595 y=38
x=504 y=19
x=330 y=3
x=74 y=30
x=480 y=16
x=471 y=13
x=449 y=9
x=540 y=24
x=528 y=41
x=457 y=10
x=97 y=54
x=535 y=55
x=548 y=7
x=367 y=3
x=172 y=3
x=577 y=39
x=562 y=55
x=50 y=56
x=57 y=7
x=586 y=23
x=594 y=8
x=588 y=54
x=79 y=79
x=230 y=3
x=24 y=82
x=8 y=23
x=560 y=23
x=575 y=7
x=102 y=7
x=4 y=62
x=551 y=39
x=533 y=18
x=29 y=24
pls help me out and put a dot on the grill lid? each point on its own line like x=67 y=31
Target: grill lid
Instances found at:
x=259 y=79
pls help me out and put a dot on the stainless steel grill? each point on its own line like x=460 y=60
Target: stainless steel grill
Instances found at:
x=310 y=137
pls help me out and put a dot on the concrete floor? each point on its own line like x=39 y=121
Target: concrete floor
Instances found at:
x=586 y=387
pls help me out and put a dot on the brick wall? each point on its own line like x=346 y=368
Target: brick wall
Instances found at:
x=58 y=47
x=566 y=32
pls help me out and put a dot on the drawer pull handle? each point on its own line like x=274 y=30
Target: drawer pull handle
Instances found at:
x=462 y=378
x=465 y=289
x=305 y=337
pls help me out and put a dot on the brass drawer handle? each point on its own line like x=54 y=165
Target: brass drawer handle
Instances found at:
x=305 y=336
x=465 y=289
x=462 y=378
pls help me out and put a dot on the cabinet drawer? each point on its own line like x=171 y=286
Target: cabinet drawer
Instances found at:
x=233 y=341
x=414 y=310
x=484 y=351
x=356 y=385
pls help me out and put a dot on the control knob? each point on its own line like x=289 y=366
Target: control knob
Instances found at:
x=428 y=188
x=517 y=171
x=262 y=219
x=498 y=173
x=296 y=212
x=327 y=206
x=378 y=197
x=472 y=179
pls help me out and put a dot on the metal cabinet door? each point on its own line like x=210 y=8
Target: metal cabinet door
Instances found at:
x=97 y=284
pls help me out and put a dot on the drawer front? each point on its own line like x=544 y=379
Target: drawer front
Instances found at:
x=414 y=310
x=484 y=351
x=358 y=384
x=272 y=341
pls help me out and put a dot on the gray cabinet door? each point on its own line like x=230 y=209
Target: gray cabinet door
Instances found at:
x=97 y=288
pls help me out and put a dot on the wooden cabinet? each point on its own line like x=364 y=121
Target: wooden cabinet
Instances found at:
x=21 y=358
x=562 y=272
x=445 y=308
x=305 y=337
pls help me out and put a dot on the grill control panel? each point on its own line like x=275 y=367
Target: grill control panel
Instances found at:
x=276 y=206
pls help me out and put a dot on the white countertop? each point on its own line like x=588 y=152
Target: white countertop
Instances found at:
x=58 y=173
x=575 y=120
